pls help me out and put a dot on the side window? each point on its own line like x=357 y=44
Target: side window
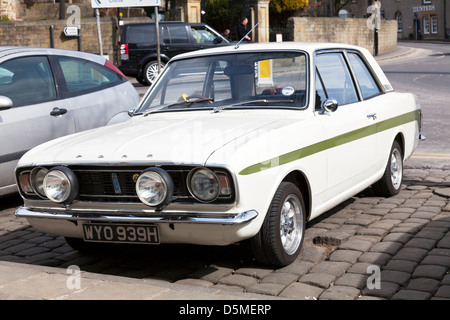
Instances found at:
x=82 y=76
x=141 y=34
x=336 y=78
x=366 y=82
x=175 y=34
x=27 y=80
x=203 y=35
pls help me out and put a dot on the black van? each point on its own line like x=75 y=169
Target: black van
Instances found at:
x=138 y=45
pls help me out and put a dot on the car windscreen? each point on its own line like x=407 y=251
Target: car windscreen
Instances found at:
x=241 y=80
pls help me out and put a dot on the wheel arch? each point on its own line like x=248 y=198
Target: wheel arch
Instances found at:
x=401 y=141
x=301 y=181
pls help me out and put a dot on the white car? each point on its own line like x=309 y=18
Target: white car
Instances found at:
x=229 y=144
x=48 y=93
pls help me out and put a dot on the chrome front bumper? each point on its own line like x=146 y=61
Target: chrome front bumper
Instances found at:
x=200 y=218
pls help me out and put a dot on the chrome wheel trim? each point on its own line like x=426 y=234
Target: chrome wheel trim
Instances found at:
x=396 y=169
x=152 y=72
x=291 y=222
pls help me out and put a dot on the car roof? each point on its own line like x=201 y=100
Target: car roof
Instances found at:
x=24 y=51
x=309 y=47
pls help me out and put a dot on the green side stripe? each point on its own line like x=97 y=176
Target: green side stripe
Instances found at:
x=332 y=142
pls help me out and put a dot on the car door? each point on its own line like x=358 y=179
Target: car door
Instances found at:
x=350 y=140
x=37 y=114
x=93 y=91
x=377 y=104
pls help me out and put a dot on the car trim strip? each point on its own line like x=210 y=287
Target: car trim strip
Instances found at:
x=204 y=218
x=332 y=142
x=12 y=156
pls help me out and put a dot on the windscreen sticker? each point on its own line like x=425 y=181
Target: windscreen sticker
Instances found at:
x=287 y=91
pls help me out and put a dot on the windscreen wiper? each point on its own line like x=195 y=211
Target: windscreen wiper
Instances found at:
x=176 y=104
x=218 y=109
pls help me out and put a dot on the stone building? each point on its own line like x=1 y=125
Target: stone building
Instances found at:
x=416 y=19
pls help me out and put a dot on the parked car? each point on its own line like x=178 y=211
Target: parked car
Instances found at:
x=49 y=93
x=229 y=144
x=138 y=45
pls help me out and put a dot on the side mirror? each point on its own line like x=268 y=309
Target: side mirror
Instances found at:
x=131 y=111
x=329 y=105
x=5 y=102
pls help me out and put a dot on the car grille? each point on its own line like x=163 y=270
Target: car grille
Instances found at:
x=98 y=184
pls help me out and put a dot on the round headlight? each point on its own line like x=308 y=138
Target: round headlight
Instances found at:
x=37 y=180
x=203 y=184
x=60 y=185
x=154 y=187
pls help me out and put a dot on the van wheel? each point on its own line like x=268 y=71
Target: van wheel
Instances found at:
x=151 y=72
x=281 y=236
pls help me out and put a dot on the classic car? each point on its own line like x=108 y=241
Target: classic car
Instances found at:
x=47 y=93
x=229 y=144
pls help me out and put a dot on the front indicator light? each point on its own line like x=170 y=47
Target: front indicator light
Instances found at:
x=24 y=181
x=60 y=185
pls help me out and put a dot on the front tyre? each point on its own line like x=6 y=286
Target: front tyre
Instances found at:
x=391 y=182
x=280 y=239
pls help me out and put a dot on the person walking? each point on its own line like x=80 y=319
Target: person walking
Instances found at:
x=242 y=30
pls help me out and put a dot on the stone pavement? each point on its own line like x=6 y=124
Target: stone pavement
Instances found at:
x=366 y=248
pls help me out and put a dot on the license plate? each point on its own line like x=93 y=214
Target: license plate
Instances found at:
x=121 y=233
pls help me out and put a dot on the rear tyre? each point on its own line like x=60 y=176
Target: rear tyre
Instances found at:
x=281 y=236
x=151 y=72
x=391 y=182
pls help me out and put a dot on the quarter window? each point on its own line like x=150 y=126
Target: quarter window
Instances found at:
x=336 y=79
x=366 y=82
x=27 y=80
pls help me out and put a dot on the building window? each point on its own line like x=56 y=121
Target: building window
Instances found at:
x=434 y=24
x=399 y=18
x=426 y=25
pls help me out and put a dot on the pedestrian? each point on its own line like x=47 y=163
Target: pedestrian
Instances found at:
x=242 y=30
x=226 y=34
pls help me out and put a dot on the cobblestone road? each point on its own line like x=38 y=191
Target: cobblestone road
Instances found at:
x=366 y=248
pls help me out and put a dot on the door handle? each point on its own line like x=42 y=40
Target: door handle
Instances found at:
x=372 y=115
x=58 y=112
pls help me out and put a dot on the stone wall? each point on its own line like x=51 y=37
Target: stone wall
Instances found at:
x=349 y=31
x=37 y=34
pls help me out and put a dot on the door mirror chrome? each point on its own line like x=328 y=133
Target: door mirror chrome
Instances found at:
x=131 y=111
x=5 y=102
x=329 y=105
